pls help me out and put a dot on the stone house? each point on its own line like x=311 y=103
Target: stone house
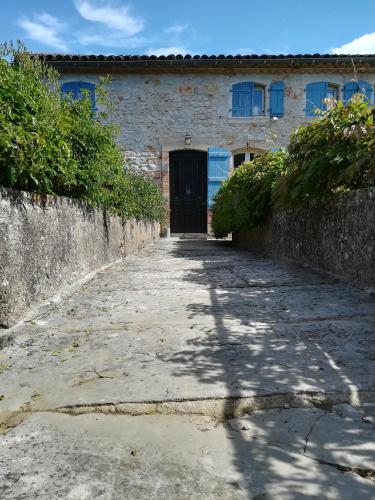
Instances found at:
x=188 y=120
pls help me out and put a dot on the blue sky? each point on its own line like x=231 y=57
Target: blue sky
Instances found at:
x=190 y=26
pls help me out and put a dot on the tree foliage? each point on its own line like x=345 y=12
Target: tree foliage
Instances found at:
x=335 y=153
x=52 y=144
x=244 y=199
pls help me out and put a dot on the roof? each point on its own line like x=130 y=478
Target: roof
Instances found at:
x=62 y=61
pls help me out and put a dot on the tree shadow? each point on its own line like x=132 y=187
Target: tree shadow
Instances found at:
x=282 y=334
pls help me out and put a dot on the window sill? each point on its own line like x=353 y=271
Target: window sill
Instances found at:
x=248 y=119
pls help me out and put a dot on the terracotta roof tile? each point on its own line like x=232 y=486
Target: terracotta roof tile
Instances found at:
x=204 y=60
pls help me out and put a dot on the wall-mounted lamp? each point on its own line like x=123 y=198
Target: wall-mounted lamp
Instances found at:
x=188 y=140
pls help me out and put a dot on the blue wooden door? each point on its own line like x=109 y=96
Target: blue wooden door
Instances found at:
x=218 y=169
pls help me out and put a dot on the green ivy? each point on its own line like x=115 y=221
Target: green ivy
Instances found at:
x=50 y=144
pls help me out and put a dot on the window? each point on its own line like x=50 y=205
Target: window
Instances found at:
x=240 y=158
x=352 y=88
x=332 y=96
x=76 y=90
x=247 y=99
x=333 y=92
x=258 y=100
x=316 y=93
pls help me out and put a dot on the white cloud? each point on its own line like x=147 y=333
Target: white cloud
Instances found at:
x=165 y=51
x=118 y=18
x=364 y=44
x=45 y=29
x=50 y=21
x=177 y=28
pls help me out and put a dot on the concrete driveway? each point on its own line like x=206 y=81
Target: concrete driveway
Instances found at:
x=193 y=370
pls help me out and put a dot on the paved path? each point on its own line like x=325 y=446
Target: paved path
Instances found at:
x=250 y=378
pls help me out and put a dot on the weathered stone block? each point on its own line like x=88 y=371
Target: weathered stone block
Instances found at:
x=337 y=236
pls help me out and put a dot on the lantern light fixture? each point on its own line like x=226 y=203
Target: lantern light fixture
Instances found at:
x=188 y=140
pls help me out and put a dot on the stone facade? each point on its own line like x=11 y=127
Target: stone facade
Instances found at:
x=155 y=108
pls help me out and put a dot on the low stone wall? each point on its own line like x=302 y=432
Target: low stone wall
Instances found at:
x=337 y=236
x=47 y=243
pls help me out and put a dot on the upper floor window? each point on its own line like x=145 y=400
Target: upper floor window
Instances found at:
x=316 y=95
x=333 y=92
x=77 y=89
x=258 y=100
x=248 y=99
x=352 y=88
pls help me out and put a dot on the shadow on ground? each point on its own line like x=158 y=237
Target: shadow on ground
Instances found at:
x=172 y=335
x=273 y=308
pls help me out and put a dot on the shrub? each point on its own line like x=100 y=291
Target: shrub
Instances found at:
x=51 y=144
x=335 y=153
x=244 y=200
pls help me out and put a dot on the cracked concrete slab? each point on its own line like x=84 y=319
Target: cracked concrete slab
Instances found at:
x=52 y=456
x=198 y=327
x=296 y=332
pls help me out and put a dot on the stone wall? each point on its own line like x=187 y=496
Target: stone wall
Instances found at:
x=337 y=236
x=48 y=243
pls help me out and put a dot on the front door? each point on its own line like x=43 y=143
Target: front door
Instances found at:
x=188 y=191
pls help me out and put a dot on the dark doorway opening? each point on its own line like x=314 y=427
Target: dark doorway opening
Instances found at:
x=188 y=191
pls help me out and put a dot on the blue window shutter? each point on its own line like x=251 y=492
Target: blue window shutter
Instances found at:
x=351 y=88
x=217 y=171
x=242 y=99
x=90 y=88
x=366 y=89
x=70 y=88
x=277 y=99
x=75 y=90
x=315 y=94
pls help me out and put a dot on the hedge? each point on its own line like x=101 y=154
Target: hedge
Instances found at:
x=51 y=144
